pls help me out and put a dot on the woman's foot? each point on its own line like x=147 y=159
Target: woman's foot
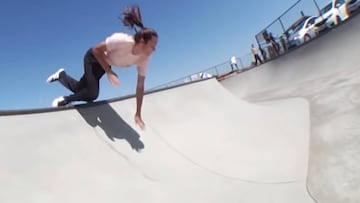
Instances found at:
x=60 y=101
x=55 y=76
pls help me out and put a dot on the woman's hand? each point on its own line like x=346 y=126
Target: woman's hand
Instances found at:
x=139 y=122
x=113 y=78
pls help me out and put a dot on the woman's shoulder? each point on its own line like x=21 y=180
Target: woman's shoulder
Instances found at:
x=121 y=36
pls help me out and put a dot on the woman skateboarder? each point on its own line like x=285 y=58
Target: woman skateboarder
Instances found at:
x=120 y=50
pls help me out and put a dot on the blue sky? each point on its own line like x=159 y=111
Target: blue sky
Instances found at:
x=40 y=36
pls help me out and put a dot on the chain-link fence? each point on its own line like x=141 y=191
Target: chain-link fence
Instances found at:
x=275 y=39
x=278 y=37
x=226 y=68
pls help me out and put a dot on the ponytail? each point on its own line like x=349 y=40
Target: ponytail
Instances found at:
x=132 y=19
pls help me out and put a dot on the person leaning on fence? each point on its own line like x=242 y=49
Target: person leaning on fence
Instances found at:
x=256 y=55
x=119 y=50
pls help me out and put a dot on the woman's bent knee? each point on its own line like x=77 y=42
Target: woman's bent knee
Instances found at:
x=92 y=96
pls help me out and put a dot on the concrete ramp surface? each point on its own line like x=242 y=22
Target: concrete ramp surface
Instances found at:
x=286 y=131
x=325 y=72
x=201 y=144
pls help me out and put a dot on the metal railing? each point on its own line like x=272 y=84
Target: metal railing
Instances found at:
x=272 y=41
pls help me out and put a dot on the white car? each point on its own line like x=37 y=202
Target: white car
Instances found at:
x=352 y=6
x=198 y=76
x=333 y=13
x=303 y=32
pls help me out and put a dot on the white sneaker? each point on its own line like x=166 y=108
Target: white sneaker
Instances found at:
x=60 y=101
x=55 y=76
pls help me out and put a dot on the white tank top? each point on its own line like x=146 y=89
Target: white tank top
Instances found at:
x=119 y=53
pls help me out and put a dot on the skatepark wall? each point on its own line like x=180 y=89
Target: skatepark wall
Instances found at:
x=101 y=102
x=326 y=73
x=201 y=144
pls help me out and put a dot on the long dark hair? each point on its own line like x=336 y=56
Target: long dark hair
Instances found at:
x=132 y=19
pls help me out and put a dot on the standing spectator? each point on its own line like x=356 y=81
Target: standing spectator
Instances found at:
x=256 y=55
x=233 y=63
x=274 y=43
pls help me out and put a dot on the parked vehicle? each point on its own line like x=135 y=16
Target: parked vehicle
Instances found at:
x=352 y=6
x=332 y=14
x=303 y=32
x=198 y=76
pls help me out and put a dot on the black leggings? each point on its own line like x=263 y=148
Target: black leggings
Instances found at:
x=257 y=58
x=87 y=89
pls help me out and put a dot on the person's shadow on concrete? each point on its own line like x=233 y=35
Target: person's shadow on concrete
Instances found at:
x=103 y=115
